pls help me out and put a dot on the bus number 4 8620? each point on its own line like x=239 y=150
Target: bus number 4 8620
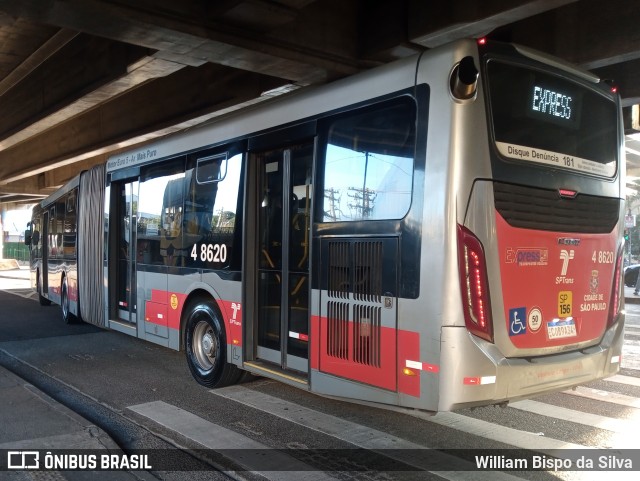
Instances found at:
x=210 y=252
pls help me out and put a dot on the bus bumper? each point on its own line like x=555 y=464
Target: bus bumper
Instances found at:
x=487 y=377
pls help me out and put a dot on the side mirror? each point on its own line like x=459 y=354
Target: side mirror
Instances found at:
x=35 y=238
x=27 y=234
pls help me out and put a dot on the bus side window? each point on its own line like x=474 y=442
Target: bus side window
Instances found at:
x=70 y=226
x=211 y=224
x=160 y=206
x=368 y=167
x=52 y=232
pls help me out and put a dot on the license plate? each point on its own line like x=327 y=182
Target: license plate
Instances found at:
x=561 y=329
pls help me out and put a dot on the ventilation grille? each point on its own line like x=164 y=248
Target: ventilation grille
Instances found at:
x=338 y=329
x=541 y=209
x=339 y=270
x=366 y=335
x=368 y=271
x=357 y=264
x=355 y=277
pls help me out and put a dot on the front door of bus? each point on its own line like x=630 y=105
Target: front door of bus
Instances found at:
x=284 y=194
x=125 y=196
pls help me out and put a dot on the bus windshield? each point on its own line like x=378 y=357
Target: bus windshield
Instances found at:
x=544 y=118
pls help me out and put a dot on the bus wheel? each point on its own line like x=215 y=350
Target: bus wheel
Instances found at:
x=206 y=347
x=43 y=300
x=64 y=303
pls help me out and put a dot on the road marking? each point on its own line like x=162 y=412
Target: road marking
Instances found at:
x=606 y=396
x=587 y=419
x=24 y=293
x=628 y=380
x=336 y=426
x=496 y=432
x=370 y=438
x=277 y=466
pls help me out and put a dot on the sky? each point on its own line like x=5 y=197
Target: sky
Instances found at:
x=15 y=221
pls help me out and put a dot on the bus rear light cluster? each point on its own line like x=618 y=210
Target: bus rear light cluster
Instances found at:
x=614 y=305
x=474 y=285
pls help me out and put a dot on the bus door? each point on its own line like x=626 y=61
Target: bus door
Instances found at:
x=124 y=197
x=283 y=229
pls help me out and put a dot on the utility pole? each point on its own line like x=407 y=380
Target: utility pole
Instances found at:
x=334 y=201
x=363 y=200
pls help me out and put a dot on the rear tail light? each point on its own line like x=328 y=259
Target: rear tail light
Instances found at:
x=614 y=304
x=474 y=285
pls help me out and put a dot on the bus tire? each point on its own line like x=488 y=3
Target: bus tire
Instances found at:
x=43 y=300
x=206 y=347
x=67 y=317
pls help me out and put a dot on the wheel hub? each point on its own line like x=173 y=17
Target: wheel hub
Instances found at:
x=207 y=344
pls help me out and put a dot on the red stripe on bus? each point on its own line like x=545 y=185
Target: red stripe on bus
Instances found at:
x=232 y=313
x=471 y=380
x=343 y=355
x=165 y=309
x=314 y=346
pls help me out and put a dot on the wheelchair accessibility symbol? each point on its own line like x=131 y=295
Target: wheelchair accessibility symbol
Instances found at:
x=517 y=321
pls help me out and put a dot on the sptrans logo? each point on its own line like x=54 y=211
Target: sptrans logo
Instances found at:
x=565 y=257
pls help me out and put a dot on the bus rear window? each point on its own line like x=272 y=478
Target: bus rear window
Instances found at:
x=543 y=118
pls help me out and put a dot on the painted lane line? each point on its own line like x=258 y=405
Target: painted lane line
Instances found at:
x=586 y=419
x=605 y=396
x=353 y=433
x=276 y=466
x=628 y=380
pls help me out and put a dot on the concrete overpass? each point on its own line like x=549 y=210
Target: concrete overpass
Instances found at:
x=80 y=79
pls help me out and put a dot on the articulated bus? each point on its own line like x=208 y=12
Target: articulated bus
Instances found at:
x=438 y=233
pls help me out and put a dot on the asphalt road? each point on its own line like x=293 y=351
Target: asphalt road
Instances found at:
x=145 y=398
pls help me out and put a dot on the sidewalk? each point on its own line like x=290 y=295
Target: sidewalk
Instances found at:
x=629 y=297
x=19 y=273
x=31 y=420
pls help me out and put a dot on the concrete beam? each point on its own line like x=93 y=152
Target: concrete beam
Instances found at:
x=140 y=72
x=626 y=76
x=163 y=106
x=192 y=41
x=438 y=22
x=586 y=33
x=36 y=59
x=28 y=186
x=78 y=68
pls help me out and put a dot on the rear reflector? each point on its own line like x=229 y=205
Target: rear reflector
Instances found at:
x=479 y=380
x=474 y=285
